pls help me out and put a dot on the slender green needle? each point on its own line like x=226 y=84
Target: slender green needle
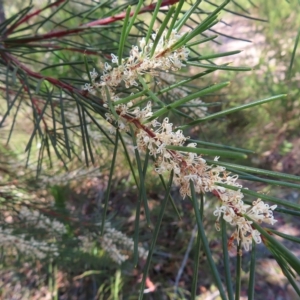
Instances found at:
x=149 y=92
x=208 y=22
x=232 y=110
x=129 y=98
x=83 y=133
x=211 y=152
x=238 y=271
x=186 y=16
x=285 y=236
x=63 y=121
x=226 y=260
x=161 y=30
x=142 y=172
x=273 y=245
x=294 y=53
x=201 y=41
x=155 y=235
x=128 y=159
x=107 y=195
x=290 y=278
x=186 y=99
x=216 y=67
x=175 y=16
x=251 y=284
x=153 y=19
x=219 y=146
x=256 y=170
x=123 y=35
x=197 y=256
x=206 y=248
x=170 y=198
x=211 y=56
x=138 y=205
x=133 y=18
x=86 y=68
x=110 y=105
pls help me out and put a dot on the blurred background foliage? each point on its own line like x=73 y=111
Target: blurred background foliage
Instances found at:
x=266 y=33
x=270 y=130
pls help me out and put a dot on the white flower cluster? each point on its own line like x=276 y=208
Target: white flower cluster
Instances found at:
x=58 y=179
x=189 y=166
x=35 y=219
x=30 y=247
x=156 y=137
x=118 y=246
x=25 y=243
x=140 y=62
x=233 y=213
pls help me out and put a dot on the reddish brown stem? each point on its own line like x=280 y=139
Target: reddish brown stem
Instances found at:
x=150 y=133
x=83 y=27
x=9 y=58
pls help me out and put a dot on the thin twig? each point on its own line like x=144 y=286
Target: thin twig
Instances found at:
x=10 y=58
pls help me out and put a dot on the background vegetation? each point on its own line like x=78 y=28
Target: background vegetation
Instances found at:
x=54 y=192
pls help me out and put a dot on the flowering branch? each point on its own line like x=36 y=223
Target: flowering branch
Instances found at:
x=156 y=137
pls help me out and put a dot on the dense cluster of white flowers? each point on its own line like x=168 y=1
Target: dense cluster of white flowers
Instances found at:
x=30 y=247
x=156 y=137
x=139 y=62
x=34 y=218
x=81 y=173
x=233 y=212
x=119 y=246
x=26 y=243
x=189 y=166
